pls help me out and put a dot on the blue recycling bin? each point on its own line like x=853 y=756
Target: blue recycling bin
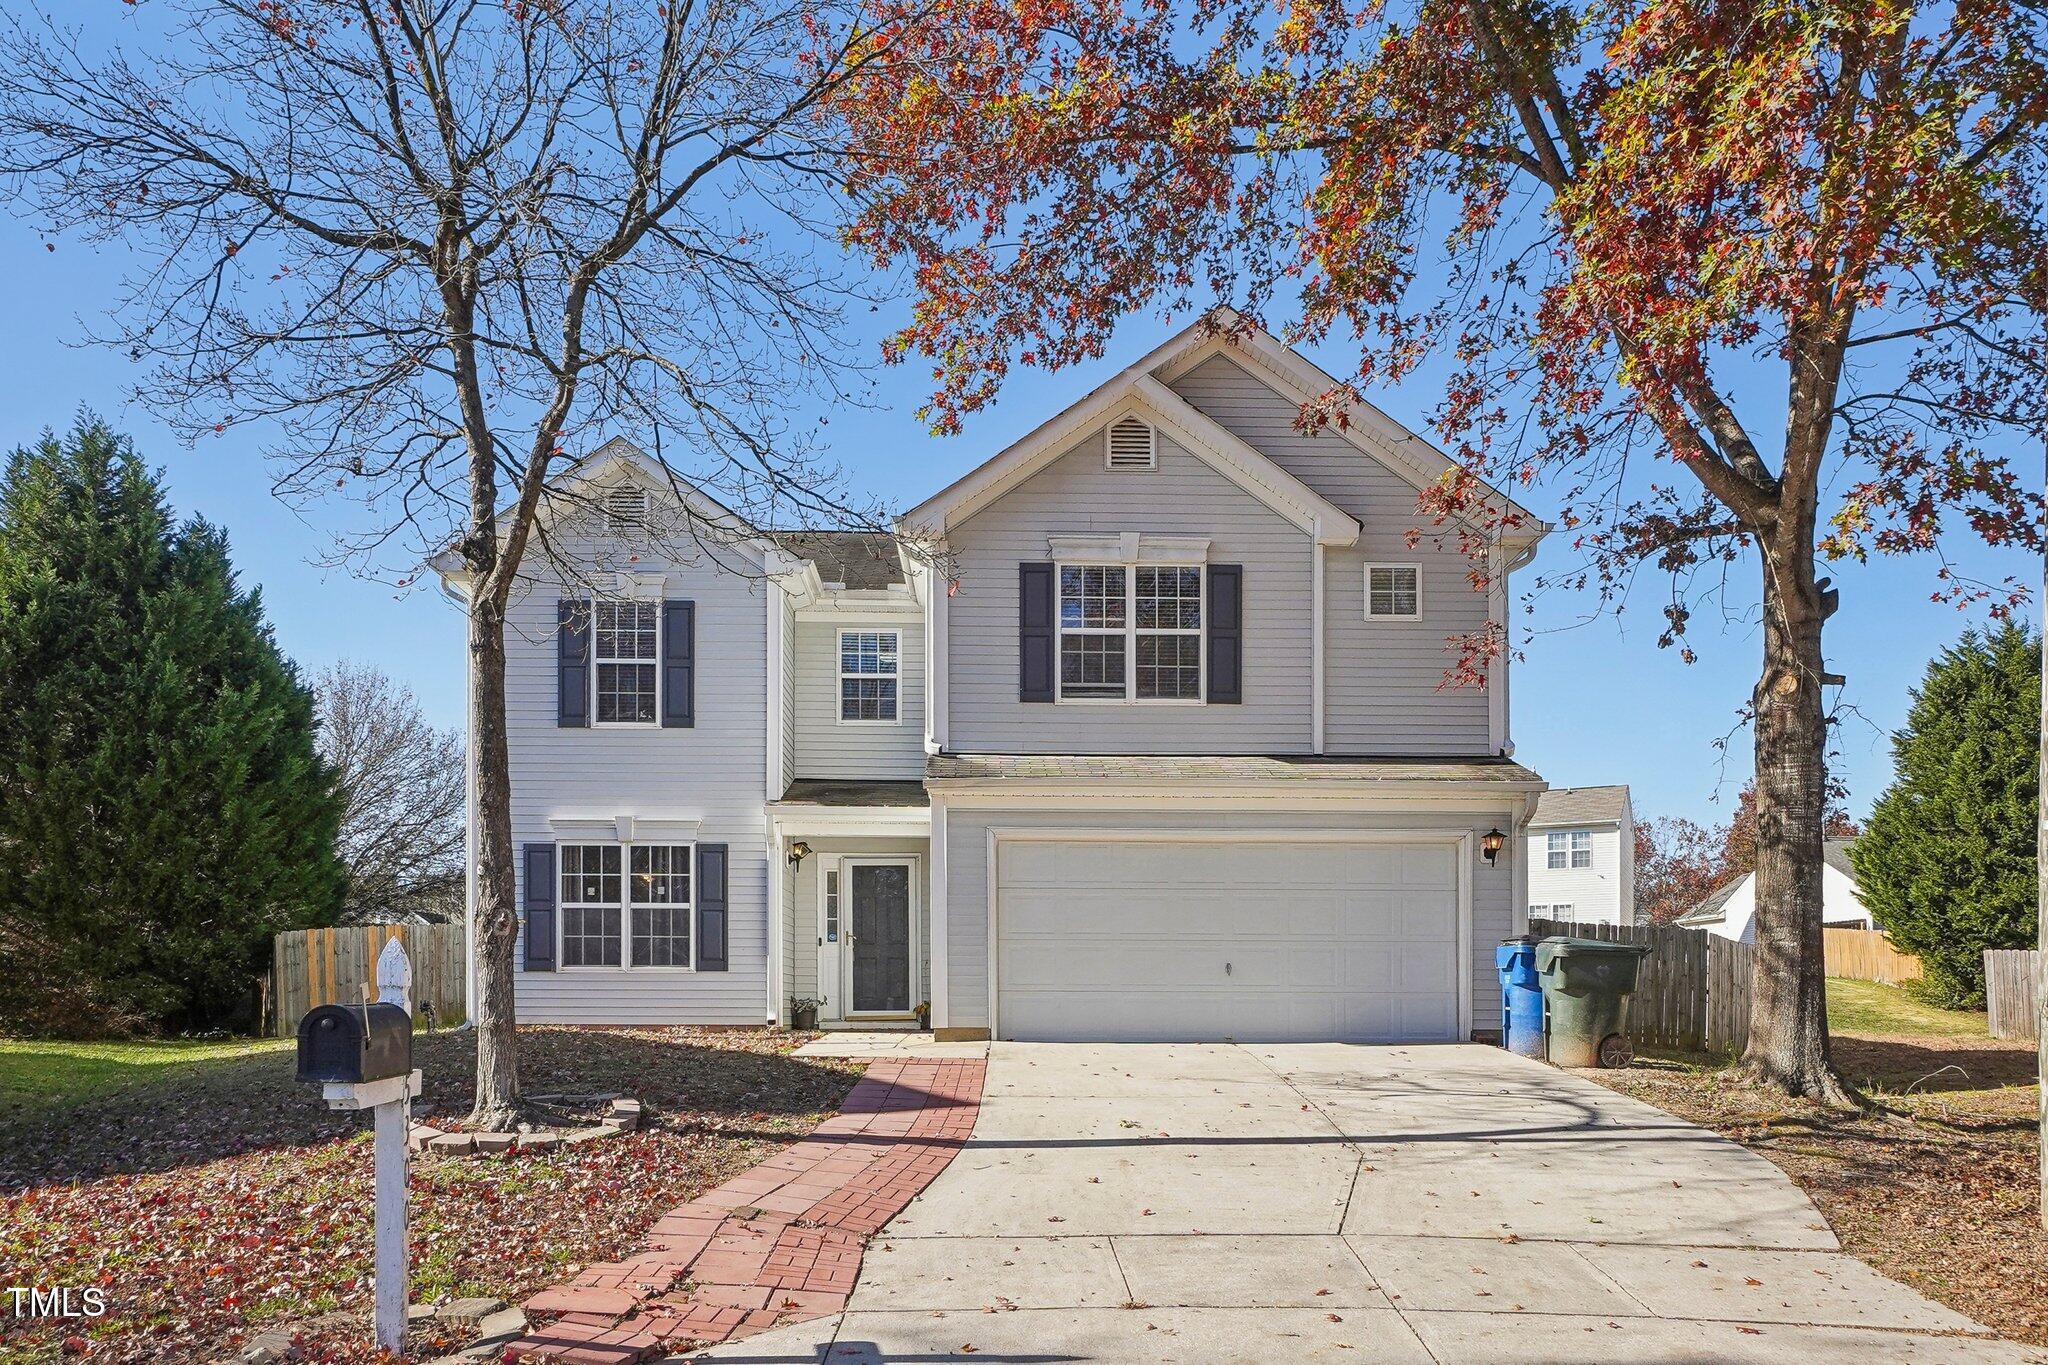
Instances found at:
x=1521 y=996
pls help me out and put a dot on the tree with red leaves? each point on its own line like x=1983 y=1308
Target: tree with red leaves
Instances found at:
x=1638 y=237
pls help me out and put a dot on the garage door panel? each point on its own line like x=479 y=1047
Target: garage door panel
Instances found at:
x=1158 y=941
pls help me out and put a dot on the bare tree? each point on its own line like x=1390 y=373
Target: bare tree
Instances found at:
x=401 y=779
x=436 y=243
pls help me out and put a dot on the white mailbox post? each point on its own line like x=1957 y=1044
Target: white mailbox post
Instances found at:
x=388 y=1101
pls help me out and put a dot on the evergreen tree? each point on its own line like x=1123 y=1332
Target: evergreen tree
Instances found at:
x=162 y=808
x=1947 y=865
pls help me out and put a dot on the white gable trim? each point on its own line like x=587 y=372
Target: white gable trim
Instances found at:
x=1139 y=393
x=1409 y=456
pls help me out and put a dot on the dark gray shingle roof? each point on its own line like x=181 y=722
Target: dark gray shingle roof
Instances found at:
x=1580 y=806
x=858 y=559
x=815 y=792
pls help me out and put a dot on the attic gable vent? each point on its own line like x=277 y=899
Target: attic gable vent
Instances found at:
x=625 y=508
x=1132 y=445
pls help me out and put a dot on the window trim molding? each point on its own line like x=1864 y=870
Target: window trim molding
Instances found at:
x=635 y=601
x=1130 y=632
x=625 y=847
x=840 y=675
x=1565 y=843
x=1391 y=618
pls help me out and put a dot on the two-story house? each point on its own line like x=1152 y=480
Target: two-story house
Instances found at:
x=1582 y=856
x=1141 y=734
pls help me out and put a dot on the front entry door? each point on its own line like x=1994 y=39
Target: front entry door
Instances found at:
x=881 y=952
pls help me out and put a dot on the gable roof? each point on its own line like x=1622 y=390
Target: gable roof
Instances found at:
x=1410 y=456
x=860 y=560
x=1135 y=391
x=1834 y=852
x=1580 y=806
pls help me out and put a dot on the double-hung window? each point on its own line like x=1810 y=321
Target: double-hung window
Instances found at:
x=626 y=905
x=1569 y=848
x=626 y=649
x=869 y=673
x=1130 y=632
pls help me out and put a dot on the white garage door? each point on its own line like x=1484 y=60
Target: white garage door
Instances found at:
x=1184 y=941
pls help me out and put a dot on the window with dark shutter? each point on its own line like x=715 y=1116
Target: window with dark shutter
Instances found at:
x=539 y=935
x=1034 y=632
x=678 y=664
x=572 y=664
x=1226 y=633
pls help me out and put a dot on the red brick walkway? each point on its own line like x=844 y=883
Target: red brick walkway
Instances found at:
x=781 y=1243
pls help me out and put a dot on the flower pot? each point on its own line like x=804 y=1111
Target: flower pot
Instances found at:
x=804 y=1018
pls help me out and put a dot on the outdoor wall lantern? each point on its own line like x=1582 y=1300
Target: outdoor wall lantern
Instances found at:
x=1491 y=843
x=798 y=851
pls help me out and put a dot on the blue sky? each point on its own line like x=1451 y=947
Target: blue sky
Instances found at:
x=1593 y=703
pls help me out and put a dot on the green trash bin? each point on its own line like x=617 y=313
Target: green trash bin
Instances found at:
x=1586 y=985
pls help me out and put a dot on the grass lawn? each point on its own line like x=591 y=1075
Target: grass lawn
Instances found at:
x=1939 y=1189
x=48 y=1075
x=212 y=1197
x=1867 y=1007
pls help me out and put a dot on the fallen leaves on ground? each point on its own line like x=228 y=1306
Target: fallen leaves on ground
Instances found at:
x=231 y=1201
x=1941 y=1195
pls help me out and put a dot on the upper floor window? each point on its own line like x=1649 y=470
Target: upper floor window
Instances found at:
x=626 y=905
x=626 y=648
x=1130 y=632
x=869 y=673
x=1569 y=848
x=1393 y=592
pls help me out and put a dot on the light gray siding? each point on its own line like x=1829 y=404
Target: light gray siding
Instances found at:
x=967 y=880
x=827 y=749
x=1383 y=679
x=800 y=972
x=1183 y=496
x=714 y=774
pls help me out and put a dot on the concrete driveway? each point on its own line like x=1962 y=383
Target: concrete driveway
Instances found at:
x=1324 y=1202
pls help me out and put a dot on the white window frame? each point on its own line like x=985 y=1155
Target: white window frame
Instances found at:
x=1130 y=632
x=1413 y=568
x=1554 y=910
x=840 y=675
x=1581 y=848
x=635 y=602
x=1568 y=850
x=626 y=903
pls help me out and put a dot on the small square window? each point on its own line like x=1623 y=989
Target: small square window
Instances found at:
x=1393 y=592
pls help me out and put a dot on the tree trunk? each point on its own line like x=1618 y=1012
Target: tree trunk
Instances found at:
x=496 y=919
x=1788 y=1022
x=2041 y=914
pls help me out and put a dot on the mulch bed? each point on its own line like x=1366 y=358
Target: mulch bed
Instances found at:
x=229 y=1201
x=1941 y=1195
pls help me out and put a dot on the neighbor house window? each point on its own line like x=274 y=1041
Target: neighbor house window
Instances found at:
x=1130 y=633
x=868 y=674
x=592 y=900
x=1560 y=910
x=626 y=643
x=660 y=888
x=1570 y=848
x=1393 y=592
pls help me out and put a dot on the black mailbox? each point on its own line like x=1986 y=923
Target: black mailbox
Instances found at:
x=354 y=1043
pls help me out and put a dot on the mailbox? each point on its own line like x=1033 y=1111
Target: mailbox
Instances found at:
x=353 y=1043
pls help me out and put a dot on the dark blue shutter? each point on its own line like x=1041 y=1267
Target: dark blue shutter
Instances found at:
x=711 y=861
x=540 y=907
x=1035 y=651
x=572 y=664
x=1226 y=632
x=679 y=664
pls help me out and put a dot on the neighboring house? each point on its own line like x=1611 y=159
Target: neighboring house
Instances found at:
x=1731 y=911
x=1141 y=737
x=1582 y=856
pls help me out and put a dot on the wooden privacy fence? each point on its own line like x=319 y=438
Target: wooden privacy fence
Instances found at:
x=1867 y=955
x=1694 y=988
x=2011 y=976
x=337 y=966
